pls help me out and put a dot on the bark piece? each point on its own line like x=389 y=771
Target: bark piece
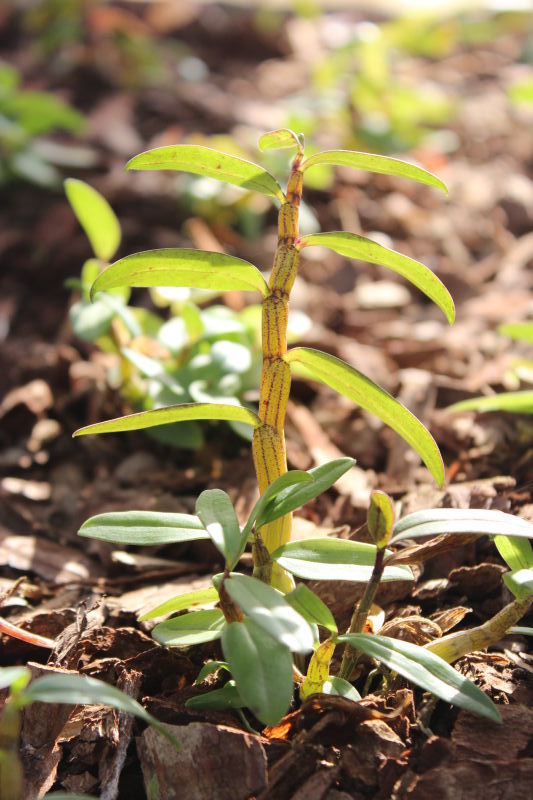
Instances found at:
x=214 y=763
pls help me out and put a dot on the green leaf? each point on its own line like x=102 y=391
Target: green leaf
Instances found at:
x=209 y=668
x=512 y=402
x=13 y=675
x=335 y=559
x=182 y=267
x=79 y=689
x=380 y=518
x=434 y=521
x=279 y=140
x=179 y=413
x=361 y=390
x=143 y=527
x=262 y=669
x=188 y=629
x=351 y=245
x=338 y=686
x=183 y=601
x=289 y=479
x=293 y=497
x=211 y=163
x=270 y=611
x=520 y=583
x=95 y=216
x=517 y=553
x=520 y=630
x=374 y=163
x=311 y=608
x=218 y=517
x=521 y=331
x=218 y=700
x=426 y=670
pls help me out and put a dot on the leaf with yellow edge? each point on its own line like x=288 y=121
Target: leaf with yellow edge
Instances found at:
x=368 y=395
x=205 y=161
x=370 y=162
x=198 y=269
x=351 y=245
x=179 y=413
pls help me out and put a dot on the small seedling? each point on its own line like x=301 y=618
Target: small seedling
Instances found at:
x=263 y=619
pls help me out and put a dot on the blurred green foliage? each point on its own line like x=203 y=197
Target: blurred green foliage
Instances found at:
x=24 y=117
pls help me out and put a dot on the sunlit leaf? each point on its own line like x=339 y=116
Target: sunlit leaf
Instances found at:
x=520 y=583
x=434 y=521
x=143 y=527
x=351 y=245
x=90 y=320
x=262 y=669
x=426 y=670
x=334 y=559
x=289 y=479
x=271 y=612
x=292 y=497
x=311 y=607
x=338 y=686
x=196 y=627
x=217 y=700
x=182 y=267
x=211 y=163
x=374 y=163
x=278 y=140
x=380 y=518
x=361 y=390
x=516 y=552
x=96 y=217
x=179 y=413
x=199 y=597
x=218 y=517
x=80 y=689
x=512 y=402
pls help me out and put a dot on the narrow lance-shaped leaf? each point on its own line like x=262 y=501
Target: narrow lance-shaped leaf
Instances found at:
x=374 y=163
x=181 y=602
x=217 y=514
x=80 y=689
x=292 y=497
x=262 y=669
x=200 y=269
x=520 y=583
x=95 y=216
x=361 y=390
x=205 y=161
x=512 y=402
x=196 y=627
x=218 y=700
x=271 y=612
x=351 y=245
x=426 y=670
x=434 y=521
x=288 y=480
x=516 y=552
x=335 y=559
x=143 y=528
x=179 y=413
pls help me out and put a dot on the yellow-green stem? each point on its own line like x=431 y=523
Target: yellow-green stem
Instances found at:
x=268 y=444
x=456 y=645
